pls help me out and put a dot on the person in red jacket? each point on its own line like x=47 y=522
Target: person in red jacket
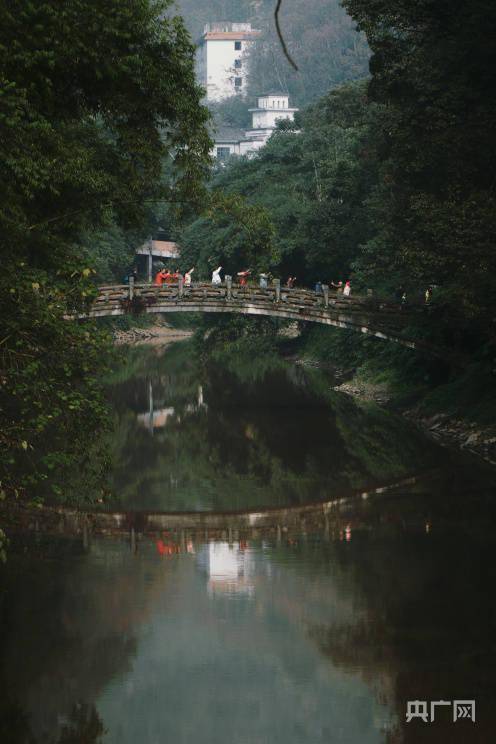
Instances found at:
x=159 y=278
x=243 y=277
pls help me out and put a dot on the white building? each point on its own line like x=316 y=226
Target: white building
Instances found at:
x=222 y=59
x=271 y=109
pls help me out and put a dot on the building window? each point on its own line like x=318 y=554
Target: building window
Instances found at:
x=237 y=63
x=237 y=46
x=223 y=153
x=238 y=82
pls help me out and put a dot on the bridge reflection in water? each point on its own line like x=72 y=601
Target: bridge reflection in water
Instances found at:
x=332 y=520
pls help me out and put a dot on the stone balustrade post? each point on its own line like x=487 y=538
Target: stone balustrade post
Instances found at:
x=228 y=286
x=180 y=289
x=325 y=292
x=277 y=287
x=131 y=287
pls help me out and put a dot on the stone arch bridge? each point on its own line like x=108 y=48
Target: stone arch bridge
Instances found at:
x=365 y=314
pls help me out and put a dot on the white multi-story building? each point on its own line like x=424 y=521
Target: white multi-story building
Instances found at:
x=271 y=109
x=222 y=58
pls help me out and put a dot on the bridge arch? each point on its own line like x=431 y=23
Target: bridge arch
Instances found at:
x=367 y=315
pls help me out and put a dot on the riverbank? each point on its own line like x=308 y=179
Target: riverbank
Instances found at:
x=456 y=407
x=449 y=429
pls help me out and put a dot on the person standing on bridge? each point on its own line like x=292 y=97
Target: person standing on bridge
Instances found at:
x=243 y=277
x=187 y=277
x=347 y=289
x=216 y=278
x=291 y=280
x=264 y=281
x=338 y=287
x=160 y=277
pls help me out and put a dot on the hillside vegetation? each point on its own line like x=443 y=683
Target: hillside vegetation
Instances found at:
x=389 y=182
x=319 y=34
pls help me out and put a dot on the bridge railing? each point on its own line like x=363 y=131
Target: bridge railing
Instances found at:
x=116 y=296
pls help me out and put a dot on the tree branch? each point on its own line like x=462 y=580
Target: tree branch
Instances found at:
x=281 y=39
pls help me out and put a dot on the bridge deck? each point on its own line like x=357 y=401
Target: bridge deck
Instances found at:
x=368 y=315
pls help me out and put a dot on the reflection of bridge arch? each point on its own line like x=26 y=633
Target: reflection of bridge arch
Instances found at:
x=367 y=315
x=327 y=518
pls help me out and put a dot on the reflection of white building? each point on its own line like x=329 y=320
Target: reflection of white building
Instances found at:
x=156 y=418
x=230 y=568
x=222 y=59
x=270 y=110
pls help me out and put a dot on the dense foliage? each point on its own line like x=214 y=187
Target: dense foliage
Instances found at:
x=312 y=187
x=391 y=181
x=99 y=112
x=432 y=71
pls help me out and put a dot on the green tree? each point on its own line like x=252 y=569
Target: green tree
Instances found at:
x=231 y=233
x=99 y=113
x=435 y=207
x=313 y=181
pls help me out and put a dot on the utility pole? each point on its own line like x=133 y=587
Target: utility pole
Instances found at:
x=150 y=259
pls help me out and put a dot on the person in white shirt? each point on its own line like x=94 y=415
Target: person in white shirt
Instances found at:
x=216 y=276
x=187 y=277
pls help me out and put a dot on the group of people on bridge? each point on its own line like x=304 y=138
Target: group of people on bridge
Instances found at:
x=165 y=276
x=266 y=278
x=168 y=277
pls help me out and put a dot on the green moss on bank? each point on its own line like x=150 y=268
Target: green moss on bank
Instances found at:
x=411 y=379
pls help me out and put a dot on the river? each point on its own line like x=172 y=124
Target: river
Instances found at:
x=312 y=632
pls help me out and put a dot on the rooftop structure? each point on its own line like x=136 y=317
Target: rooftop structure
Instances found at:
x=222 y=58
x=271 y=108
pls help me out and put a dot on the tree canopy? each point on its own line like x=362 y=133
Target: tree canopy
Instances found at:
x=432 y=69
x=99 y=113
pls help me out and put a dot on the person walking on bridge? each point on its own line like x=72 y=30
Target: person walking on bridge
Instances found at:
x=216 y=278
x=264 y=278
x=160 y=277
x=347 y=289
x=187 y=277
x=243 y=277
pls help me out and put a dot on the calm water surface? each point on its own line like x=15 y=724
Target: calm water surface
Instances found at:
x=317 y=634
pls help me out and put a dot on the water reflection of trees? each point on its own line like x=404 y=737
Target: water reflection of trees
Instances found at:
x=75 y=624
x=265 y=434
x=426 y=625
x=83 y=726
